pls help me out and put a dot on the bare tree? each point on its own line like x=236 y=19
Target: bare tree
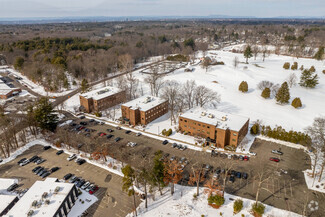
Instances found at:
x=206 y=63
x=256 y=50
x=264 y=52
x=171 y=92
x=155 y=81
x=264 y=84
x=292 y=80
x=204 y=95
x=132 y=84
x=197 y=177
x=228 y=165
x=262 y=175
x=188 y=92
x=317 y=134
x=235 y=62
x=126 y=62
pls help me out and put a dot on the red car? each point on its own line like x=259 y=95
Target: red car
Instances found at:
x=246 y=158
x=101 y=134
x=93 y=189
x=275 y=159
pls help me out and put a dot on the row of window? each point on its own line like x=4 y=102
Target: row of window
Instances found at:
x=198 y=130
x=198 y=124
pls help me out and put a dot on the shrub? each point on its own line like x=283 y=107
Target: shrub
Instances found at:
x=258 y=209
x=195 y=196
x=242 y=215
x=216 y=200
x=163 y=132
x=169 y=132
x=98 y=114
x=296 y=102
x=238 y=206
x=281 y=134
x=243 y=87
x=255 y=129
x=294 y=66
x=324 y=71
x=178 y=57
x=286 y=65
x=301 y=67
x=266 y=93
x=312 y=69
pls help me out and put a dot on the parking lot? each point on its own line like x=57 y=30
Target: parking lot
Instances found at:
x=112 y=199
x=286 y=187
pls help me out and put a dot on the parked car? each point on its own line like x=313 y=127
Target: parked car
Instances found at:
x=89 y=187
x=118 y=128
x=93 y=189
x=59 y=152
x=253 y=153
x=67 y=176
x=35 y=169
x=42 y=172
x=82 y=117
x=241 y=157
x=277 y=152
x=21 y=160
x=244 y=175
x=91 y=120
x=73 y=179
x=275 y=159
x=138 y=134
x=174 y=145
x=84 y=186
x=25 y=162
x=12 y=187
x=232 y=179
x=183 y=147
x=128 y=131
x=54 y=169
x=71 y=157
x=80 y=183
x=246 y=158
x=109 y=136
x=83 y=123
x=34 y=158
x=117 y=139
x=38 y=170
x=39 y=161
x=101 y=134
x=1 y=160
x=238 y=175
x=80 y=161
x=110 y=130
x=47 y=147
x=165 y=142
x=46 y=174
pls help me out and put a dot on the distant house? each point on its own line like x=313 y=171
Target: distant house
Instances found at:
x=143 y=110
x=6 y=91
x=101 y=99
x=217 y=127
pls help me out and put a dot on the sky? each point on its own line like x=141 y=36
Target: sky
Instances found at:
x=113 y=8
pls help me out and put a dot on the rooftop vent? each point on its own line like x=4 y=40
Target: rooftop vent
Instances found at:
x=148 y=99
x=211 y=115
x=102 y=91
x=224 y=118
x=203 y=114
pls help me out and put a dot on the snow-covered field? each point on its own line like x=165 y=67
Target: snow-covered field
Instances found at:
x=182 y=204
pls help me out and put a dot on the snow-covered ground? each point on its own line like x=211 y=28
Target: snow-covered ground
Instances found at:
x=182 y=204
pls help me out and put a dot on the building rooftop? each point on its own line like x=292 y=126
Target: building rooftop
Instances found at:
x=219 y=119
x=101 y=93
x=144 y=103
x=5 y=201
x=56 y=193
x=4 y=88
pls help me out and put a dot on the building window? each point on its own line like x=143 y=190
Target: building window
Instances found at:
x=234 y=140
x=203 y=125
x=181 y=119
x=185 y=125
x=199 y=124
x=235 y=134
x=208 y=132
x=208 y=126
x=185 y=120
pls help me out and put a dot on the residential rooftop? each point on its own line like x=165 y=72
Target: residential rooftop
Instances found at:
x=4 y=88
x=56 y=193
x=216 y=118
x=144 y=103
x=101 y=93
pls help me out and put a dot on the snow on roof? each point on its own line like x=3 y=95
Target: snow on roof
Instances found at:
x=24 y=205
x=144 y=103
x=213 y=117
x=101 y=93
x=5 y=201
x=5 y=183
x=5 y=89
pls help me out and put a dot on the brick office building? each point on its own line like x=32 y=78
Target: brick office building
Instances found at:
x=219 y=128
x=143 y=110
x=101 y=99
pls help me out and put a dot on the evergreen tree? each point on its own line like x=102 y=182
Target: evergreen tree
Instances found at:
x=248 y=53
x=128 y=179
x=266 y=93
x=308 y=79
x=157 y=173
x=44 y=115
x=84 y=85
x=19 y=62
x=243 y=87
x=283 y=94
x=296 y=102
x=319 y=54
